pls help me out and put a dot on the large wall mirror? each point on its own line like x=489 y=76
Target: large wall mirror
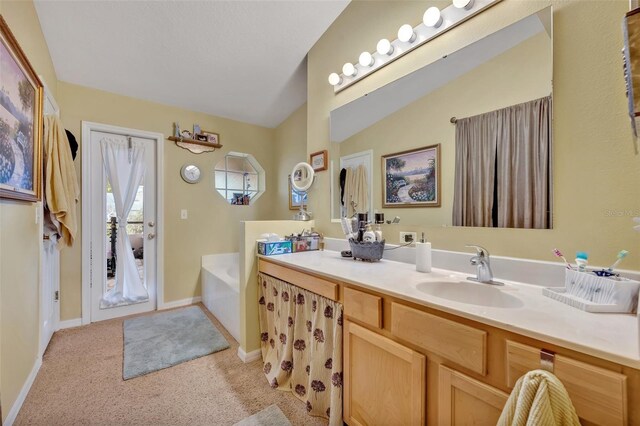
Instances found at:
x=501 y=84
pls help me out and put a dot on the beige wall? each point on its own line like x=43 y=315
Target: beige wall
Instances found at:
x=492 y=85
x=213 y=225
x=595 y=168
x=291 y=148
x=20 y=237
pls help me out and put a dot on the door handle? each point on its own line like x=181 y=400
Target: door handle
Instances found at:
x=151 y=236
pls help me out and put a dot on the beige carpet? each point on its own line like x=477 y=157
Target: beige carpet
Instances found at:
x=80 y=383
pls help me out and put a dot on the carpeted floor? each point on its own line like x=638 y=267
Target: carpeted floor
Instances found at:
x=80 y=383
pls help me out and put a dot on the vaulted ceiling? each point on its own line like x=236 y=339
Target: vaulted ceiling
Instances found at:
x=244 y=60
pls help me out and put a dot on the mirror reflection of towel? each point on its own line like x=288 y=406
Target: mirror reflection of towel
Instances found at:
x=356 y=192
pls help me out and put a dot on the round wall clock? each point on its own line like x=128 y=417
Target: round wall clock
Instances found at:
x=190 y=173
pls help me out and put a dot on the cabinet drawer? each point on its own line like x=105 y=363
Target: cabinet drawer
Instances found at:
x=363 y=307
x=459 y=343
x=308 y=282
x=599 y=395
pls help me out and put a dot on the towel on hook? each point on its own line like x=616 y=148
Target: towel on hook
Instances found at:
x=539 y=398
x=356 y=192
x=60 y=181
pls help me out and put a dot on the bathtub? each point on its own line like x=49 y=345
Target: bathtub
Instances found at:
x=221 y=289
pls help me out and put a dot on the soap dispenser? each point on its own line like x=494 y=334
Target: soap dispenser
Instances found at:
x=423 y=255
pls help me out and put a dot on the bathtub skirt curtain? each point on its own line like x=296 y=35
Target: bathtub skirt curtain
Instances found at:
x=301 y=342
x=124 y=167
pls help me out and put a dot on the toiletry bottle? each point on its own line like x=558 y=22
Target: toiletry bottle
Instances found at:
x=361 y=231
x=582 y=260
x=378 y=232
x=423 y=255
x=369 y=236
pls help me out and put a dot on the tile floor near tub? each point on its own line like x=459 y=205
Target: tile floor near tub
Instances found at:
x=80 y=382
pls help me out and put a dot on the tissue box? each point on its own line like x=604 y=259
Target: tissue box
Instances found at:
x=304 y=243
x=270 y=248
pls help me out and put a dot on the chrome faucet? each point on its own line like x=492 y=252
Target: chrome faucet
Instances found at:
x=482 y=262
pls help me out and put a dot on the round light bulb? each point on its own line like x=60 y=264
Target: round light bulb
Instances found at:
x=334 y=79
x=432 y=17
x=349 y=70
x=406 y=34
x=463 y=4
x=365 y=59
x=384 y=47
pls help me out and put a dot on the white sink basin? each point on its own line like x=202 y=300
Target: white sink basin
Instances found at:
x=471 y=294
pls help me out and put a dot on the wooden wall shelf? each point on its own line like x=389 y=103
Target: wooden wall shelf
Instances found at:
x=195 y=142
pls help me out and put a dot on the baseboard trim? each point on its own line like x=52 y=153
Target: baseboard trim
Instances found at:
x=76 y=322
x=249 y=357
x=17 y=405
x=179 y=303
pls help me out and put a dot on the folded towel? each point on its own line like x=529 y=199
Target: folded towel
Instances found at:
x=61 y=183
x=539 y=399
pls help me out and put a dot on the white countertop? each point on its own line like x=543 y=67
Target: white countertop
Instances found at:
x=613 y=337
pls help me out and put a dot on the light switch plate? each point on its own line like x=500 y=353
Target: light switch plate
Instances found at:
x=184 y=214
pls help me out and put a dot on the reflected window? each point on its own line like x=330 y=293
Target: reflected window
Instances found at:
x=239 y=178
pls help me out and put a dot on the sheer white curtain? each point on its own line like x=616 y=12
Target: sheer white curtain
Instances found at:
x=124 y=166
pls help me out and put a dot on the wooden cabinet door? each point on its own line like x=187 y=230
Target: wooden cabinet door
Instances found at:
x=384 y=382
x=466 y=401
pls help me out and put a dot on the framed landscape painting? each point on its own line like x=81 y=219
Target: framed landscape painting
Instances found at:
x=20 y=122
x=412 y=178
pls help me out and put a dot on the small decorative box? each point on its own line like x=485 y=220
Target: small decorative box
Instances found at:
x=271 y=248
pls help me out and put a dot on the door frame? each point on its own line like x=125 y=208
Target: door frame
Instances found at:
x=86 y=147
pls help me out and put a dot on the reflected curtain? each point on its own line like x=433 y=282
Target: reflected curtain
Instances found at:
x=503 y=161
x=124 y=166
x=476 y=140
x=301 y=342
x=524 y=150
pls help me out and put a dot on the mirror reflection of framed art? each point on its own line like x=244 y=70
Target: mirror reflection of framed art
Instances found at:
x=296 y=198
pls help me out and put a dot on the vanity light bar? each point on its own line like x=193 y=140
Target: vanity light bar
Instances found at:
x=388 y=51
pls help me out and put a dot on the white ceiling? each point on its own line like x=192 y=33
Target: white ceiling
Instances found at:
x=244 y=60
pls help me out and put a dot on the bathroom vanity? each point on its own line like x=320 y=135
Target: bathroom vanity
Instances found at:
x=436 y=349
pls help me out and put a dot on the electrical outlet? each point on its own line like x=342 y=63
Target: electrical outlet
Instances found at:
x=408 y=237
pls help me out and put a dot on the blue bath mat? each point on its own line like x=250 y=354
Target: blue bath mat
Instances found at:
x=158 y=341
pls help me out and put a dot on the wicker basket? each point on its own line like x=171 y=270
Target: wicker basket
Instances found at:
x=368 y=251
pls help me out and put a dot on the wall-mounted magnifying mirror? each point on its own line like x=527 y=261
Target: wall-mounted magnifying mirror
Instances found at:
x=302 y=177
x=499 y=77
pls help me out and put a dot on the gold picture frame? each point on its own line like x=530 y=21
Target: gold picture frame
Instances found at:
x=412 y=178
x=20 y=122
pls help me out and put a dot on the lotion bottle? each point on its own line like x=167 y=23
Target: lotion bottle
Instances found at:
x=369 y=236
x=423 y=255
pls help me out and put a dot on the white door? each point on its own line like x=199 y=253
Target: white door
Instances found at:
x=50 y=284
x=141 y=229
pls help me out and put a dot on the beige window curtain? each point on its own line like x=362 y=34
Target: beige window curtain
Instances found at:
x=301 y=342
x=503 y=161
